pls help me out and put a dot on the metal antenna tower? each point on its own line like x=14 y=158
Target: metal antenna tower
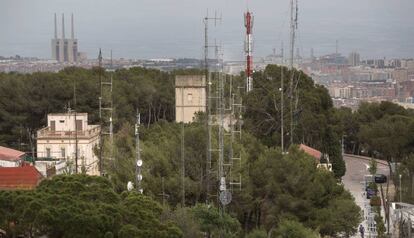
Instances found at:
x=138 y=169
x=293 y=27
x=236 y=109
x=248 y=48
x=209 y=97
x=105 y=115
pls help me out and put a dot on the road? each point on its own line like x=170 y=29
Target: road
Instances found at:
x=356 y=168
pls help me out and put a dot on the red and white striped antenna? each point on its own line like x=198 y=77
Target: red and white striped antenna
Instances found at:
x=248 y=48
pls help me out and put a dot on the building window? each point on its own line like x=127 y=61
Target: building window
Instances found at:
x=190 y=97
x=48 y=152
x=63 y=152
x=62 y=121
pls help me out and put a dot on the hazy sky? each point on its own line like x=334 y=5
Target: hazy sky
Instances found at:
x=174 y=28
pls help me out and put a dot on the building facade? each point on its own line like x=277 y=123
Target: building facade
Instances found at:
x=64 y=133
x=190 y=97
x=10 y=157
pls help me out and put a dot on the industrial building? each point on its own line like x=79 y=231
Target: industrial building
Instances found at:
x=190 y=97
x=65 y=49
x=65 y=134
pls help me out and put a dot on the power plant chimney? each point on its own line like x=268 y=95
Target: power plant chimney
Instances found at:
x=55 y=27
x=63 y=26
x=72 y=28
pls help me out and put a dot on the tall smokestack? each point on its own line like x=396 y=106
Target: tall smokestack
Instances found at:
x=63 y=26
x=72 y=27
x=55 y=27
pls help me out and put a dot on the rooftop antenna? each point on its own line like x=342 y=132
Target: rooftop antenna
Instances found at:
x=63 y=26
x=55 y=27
x=72 y=27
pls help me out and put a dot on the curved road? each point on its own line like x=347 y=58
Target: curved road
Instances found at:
x=356 y=168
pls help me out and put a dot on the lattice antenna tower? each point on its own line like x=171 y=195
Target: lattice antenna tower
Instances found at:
x=105 y=116
x=293 y=27
x=209 y=98
x=235 y=124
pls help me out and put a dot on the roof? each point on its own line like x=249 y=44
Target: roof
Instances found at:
x=10 y=154
x=19 y=178
x=311 y=151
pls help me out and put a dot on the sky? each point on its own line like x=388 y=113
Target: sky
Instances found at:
x=143 y=29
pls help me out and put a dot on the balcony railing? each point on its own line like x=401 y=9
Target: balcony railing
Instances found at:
x=48 y=133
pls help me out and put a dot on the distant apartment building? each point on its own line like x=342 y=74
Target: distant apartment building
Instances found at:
x=354 y=59
x=341 y=91
x=190 y=97
x=65 y=49
x=63 y=134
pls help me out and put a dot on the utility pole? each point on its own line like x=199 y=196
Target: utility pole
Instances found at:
x=182 y=150
x=282 y=113
x=400 y=177
x=76 y=126
x=101 y=141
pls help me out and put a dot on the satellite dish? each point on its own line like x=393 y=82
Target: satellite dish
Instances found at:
x=225 y=197
x=139 y=163
x=130 y=186
x=139 y=177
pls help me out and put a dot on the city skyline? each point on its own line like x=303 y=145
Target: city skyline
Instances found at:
x=158 y=29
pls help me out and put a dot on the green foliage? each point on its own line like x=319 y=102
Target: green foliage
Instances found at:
x=372 y=166
x=381 y=230
x=293 y=229
x=185 y=219
x=82 y=206
x=257 y=233
x=214 y=222
x=314 y=120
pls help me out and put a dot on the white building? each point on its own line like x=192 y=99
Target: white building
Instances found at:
x=62 y=135
x=190 y=97
x=10 y=157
